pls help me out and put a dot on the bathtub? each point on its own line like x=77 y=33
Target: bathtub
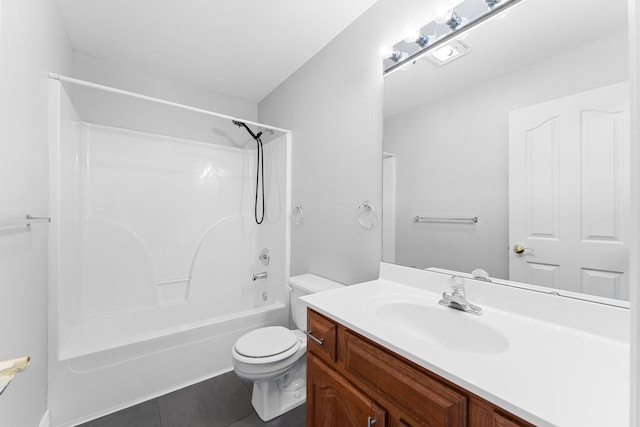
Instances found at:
x=85 y=387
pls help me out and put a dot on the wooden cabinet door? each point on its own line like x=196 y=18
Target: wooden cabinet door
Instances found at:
x=416 y=398
x=333 y=402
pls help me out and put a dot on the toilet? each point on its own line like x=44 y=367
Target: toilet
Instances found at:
x=274 y=357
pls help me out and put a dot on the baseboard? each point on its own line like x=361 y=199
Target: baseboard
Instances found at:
x=45 y=421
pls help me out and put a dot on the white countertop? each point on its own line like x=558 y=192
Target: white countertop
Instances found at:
x=566 y=363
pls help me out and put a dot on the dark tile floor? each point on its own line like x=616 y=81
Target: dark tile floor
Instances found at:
x=222 y=401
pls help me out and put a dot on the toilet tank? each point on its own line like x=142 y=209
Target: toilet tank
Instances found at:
x=306 y=284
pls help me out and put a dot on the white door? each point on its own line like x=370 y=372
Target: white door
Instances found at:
x=569 y=193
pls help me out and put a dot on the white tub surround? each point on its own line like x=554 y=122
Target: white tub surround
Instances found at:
x=550 y=360
x=153 y=245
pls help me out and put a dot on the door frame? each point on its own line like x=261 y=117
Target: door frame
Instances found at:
x=634 y=264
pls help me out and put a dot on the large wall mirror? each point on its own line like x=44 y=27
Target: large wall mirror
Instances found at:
x=527 y=133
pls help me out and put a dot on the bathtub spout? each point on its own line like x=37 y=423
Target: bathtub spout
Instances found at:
x=262 y=275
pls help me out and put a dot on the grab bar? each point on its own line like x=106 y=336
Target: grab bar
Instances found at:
x=22 y=222
x=418 y=218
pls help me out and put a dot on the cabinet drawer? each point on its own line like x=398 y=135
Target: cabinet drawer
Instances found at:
x=325 y=331
x=424 y=400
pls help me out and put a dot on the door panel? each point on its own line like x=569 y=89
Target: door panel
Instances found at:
x=569 y=195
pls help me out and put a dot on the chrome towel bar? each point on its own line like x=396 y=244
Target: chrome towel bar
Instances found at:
x=454 y=220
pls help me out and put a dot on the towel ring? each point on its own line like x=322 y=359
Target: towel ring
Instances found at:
x=367 y=215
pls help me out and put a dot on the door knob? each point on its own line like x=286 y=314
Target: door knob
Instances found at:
x=519 y=249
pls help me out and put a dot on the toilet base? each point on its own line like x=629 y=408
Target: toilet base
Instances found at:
x=272 y=398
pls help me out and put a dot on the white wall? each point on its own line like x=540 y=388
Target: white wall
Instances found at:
x=452 y=156
x=32 y=42
x=333 y=105
x=125 y=77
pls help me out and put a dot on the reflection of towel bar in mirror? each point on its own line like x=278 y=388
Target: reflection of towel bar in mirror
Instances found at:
x=22 y=222
x=455 y=220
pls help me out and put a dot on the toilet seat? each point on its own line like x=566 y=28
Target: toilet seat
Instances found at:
x=266 y=345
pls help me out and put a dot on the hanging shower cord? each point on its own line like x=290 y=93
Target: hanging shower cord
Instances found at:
x=259 y=169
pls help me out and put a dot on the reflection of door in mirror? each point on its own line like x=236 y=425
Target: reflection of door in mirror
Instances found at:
x=569 y=193
x=388 y=207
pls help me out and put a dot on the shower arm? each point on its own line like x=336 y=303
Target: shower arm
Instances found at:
x=242 y=124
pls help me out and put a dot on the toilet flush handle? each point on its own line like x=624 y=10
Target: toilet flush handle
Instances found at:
x=317 y=340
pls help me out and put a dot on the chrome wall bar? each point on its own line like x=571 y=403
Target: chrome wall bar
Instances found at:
x=22 y=222
x=453 y=220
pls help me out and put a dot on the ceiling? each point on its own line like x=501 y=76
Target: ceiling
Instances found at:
x=243 y=48
x=528 y=33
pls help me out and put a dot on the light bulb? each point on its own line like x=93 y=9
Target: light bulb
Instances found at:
x=390 y=52
x=386 y=52
x=451 y=18
x=417 y=37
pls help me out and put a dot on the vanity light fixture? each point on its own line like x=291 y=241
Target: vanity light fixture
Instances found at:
x=441 y=31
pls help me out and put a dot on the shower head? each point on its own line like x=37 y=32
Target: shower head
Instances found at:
x=243 y=124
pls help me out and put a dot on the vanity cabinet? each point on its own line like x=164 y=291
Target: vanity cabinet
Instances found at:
x=352 y=381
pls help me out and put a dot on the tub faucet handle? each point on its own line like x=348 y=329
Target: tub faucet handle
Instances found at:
x=264 y=257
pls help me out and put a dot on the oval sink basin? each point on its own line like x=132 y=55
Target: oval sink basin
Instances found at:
x=442 y=326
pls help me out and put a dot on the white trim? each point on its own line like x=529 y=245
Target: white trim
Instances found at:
x=634 y=262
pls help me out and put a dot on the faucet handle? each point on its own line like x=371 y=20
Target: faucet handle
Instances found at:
x=456 y=282
x=480 y=274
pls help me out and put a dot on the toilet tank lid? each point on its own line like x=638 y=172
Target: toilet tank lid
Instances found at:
x=311 y=283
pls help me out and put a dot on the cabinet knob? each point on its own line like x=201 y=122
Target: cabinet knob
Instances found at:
x=371 y=422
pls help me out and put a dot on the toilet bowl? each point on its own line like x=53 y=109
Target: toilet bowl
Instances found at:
x=274 y=357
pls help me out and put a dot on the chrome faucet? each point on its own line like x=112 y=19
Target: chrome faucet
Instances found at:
x=262 y=275
x=456 y=299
